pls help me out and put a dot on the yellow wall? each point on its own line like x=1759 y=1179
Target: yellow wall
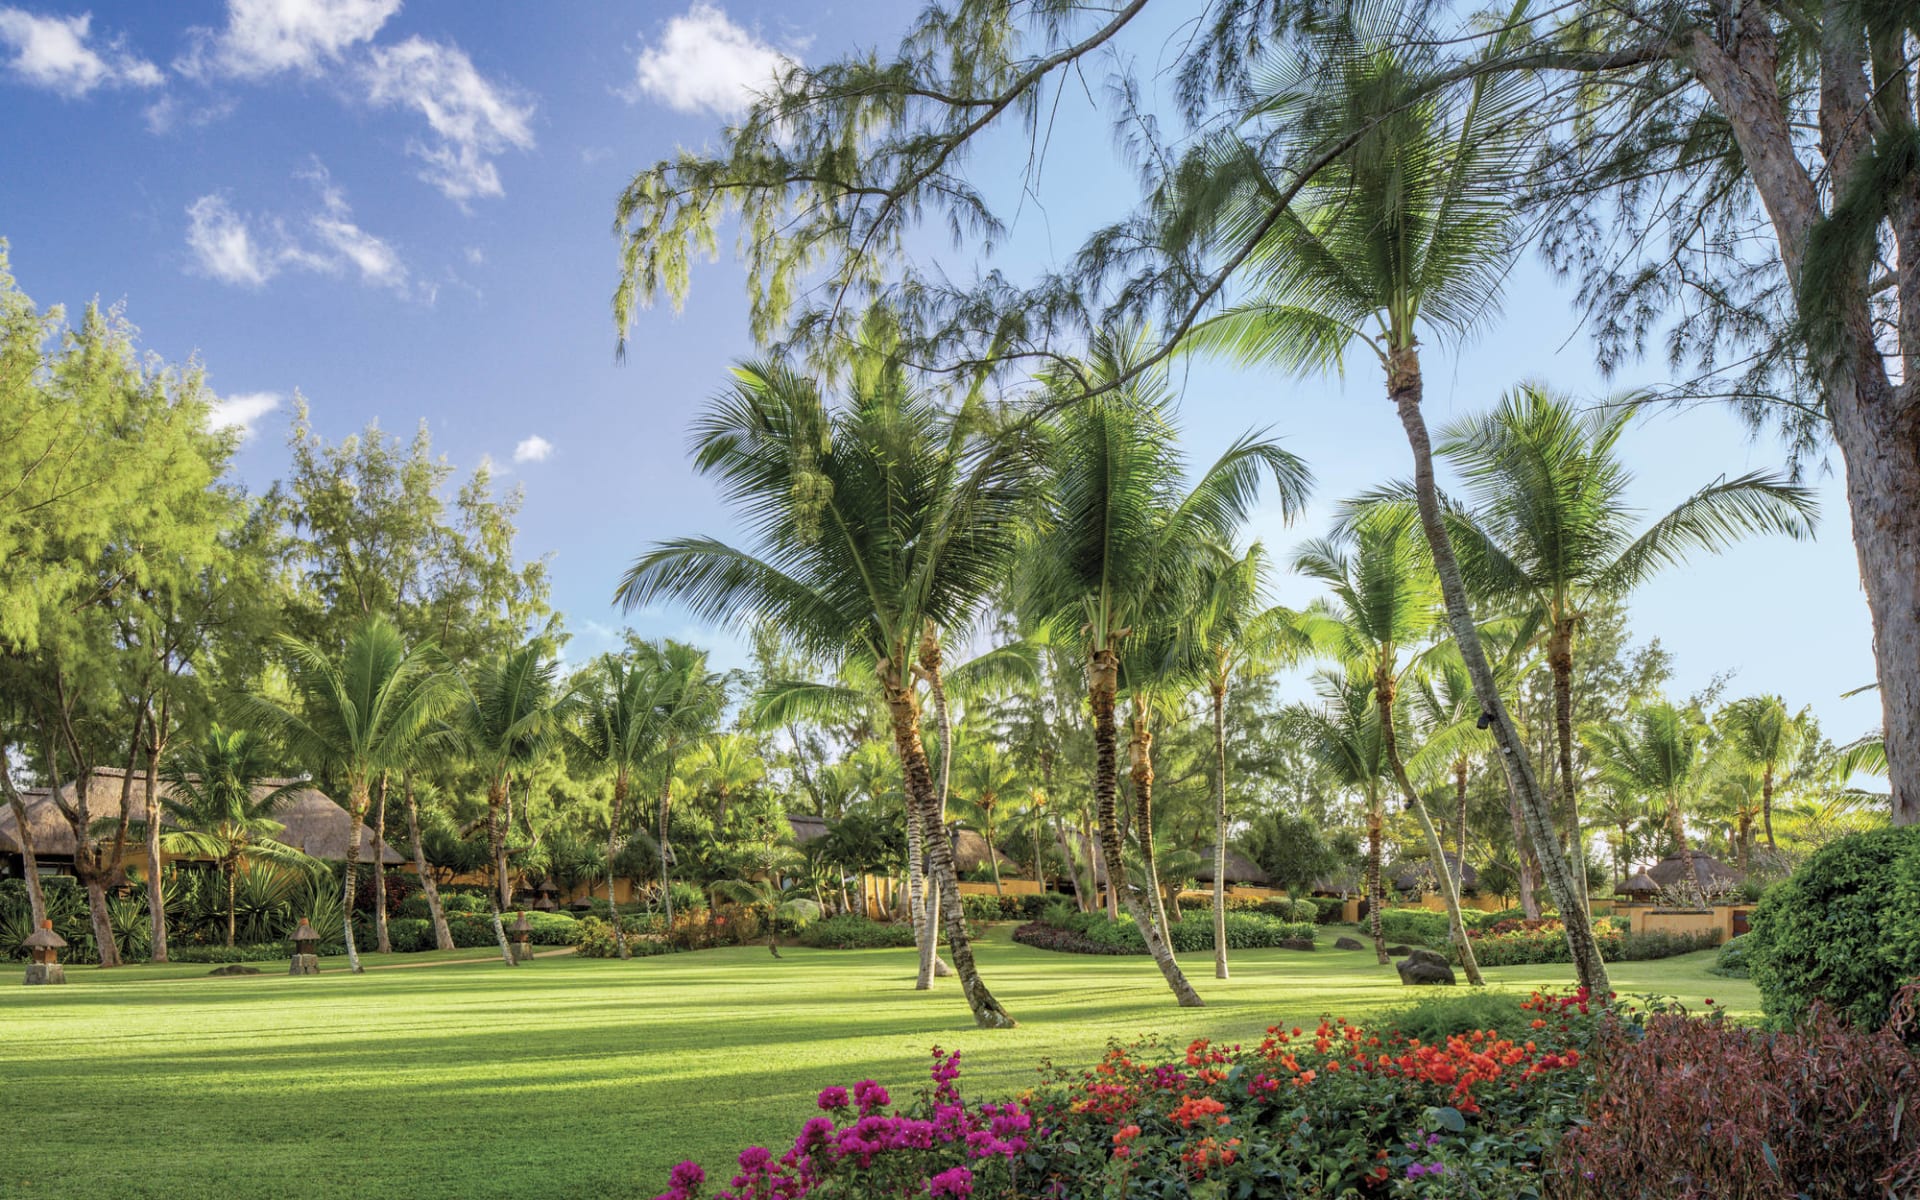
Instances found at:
x=1008 y=887
x=1650 y=919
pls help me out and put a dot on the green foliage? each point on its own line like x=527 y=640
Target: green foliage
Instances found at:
x=851 y=932
x=1291 y=848
x=594 y=939
x=1420 y=926
x=1305 y=910
x=1733 y=961
x=1062 y=928
x=1435 y=1019
x=1843 y=931
x=1548 y=944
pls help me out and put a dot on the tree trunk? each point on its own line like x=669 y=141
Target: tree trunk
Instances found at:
x=1766 y=805
x=1460 y=805
x=156 y=899
x=923 y=938
x=1560 y=664
x=1404 y=385
x=930 y=664
x=442 y=936
x=1383 y=687
x=498 y=814
x=666 y=799
x=1103 y=669
x=1746 y=838
x=102 y=922
x=500 y=937
x=29 y=861
x=993 y=858
x=357 y=800
x=233 y=904
x=1220 y=970
x=1529 y=904
x=1376 y=850
x=1676 y=823
x=382 y=944
x=613 y=851
x=1140 y=771
x=903 y=709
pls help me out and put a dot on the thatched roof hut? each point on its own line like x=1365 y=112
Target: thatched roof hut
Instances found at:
x=806 y=827
x=1640 y=886
x=1241 y=870
x=1712 y=874
x=315 y=825
x=970 y=853
x=1417 y=874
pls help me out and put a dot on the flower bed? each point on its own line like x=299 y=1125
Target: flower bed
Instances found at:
x=1335 y=1111
x=1092 y=933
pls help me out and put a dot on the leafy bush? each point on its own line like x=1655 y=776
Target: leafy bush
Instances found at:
x=1004 y=908
x=1424 y=927
x=1706 y=1110
x=410 y=935
x=472 y=930
x=596 y=941
x=1844 y=929
x=1092 y=933
x=1303 y=910
x=1435 y=1019
x=1546 y=942
x=258 y=952
x=850 y=931
x=1732 y=961
x=463 y=902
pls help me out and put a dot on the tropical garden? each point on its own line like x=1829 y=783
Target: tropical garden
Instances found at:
x=1019 y=719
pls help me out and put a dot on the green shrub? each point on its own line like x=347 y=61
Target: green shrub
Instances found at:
x=463 y=902
x=1548 y=944
x=258 y=952
x=475 y=930
x=1303 y=910
x=1423 y=927
x=596 y=941
x=1844 y=930
x=1732 y=960
x=410 y=935
x=852 y=932
x=1434 y=1020
x=1093 y=933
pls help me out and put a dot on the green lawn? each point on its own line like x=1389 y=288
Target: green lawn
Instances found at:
x=572 y=1077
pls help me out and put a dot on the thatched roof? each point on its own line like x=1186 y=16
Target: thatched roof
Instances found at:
x=970 y=852
x=1240 y=869
x=1410 y=874
x=807 y=828
x=315 y=825
x=1639 y=884
x=1345 y=883
x=1671 y=871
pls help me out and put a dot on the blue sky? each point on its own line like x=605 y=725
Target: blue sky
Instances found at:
x=405 y=213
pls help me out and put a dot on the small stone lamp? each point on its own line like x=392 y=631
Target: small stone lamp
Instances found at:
x=546 y=893
x=306 y=944
x=521 y=934
x=44 y=946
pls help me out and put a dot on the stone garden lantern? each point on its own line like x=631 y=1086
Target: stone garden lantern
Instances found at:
x=306 y=944
x=44 y=946
x=521 y=934
x=546 y=893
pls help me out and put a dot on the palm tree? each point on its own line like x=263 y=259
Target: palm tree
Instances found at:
x=1405 y=239
x=506 y=720
x=1762 y=730
x=216 y=801
x=1157 y=671
x=1232 y=633
x=722 y=767
x=1656 y=752
x=690 y=703
x=1550 y=529
x=1385 y=602
x=869 y=522
x=1115 y=534
x=1343 y=735
x=988 y=778
x=357 y=716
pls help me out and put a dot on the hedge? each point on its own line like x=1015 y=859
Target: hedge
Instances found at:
x=1549 y=945
x=852 y=932
x=1093 y=933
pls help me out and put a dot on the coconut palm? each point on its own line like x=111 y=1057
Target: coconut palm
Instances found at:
x=1231 y=632
x=1550 y=530
x=1343 y=734
x=1383 y=613
x=987 y=782
x=868 y=522
x=1763 y=732
x=1656 y=752
x=222 y=810
x=721 y=768
x=1403 y=240
x=506 y=719
x=1158 y=669
x=1117 y=534
x=690 y=703
x=356 y=715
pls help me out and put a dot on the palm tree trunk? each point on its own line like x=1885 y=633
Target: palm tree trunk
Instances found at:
x=357 y=799
x=666 y=799
x=233 y=905
x=498 y=814
x=1746 y=838
x=904 y=712
x=930 y=664
x=613 y=850
x=442 y=936
x=1404 y=386
x=381 y=942
x=156 y=900
x=1560 y=660
x=1220 y=970
x=29 y=861
x=1103 y=670
x=1140 y=764
x=1460 y=804
x=1766 y=805
x=1529 y=904
x=1384 y=694
x=1376 y=848
x=1677 y=824
x=917 y=894
x=993 y=857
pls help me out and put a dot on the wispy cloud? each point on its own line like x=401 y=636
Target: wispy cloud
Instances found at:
x=269 y=37
x=705 y=62
x=472 y=118
x=533 y=449
x=243 y=412
x=61 y=55
x=248 y=250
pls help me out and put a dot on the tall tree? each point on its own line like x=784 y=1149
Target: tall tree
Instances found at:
x=1343 y=734
x=869 y=520
x=1656 y=753
x=1763 y=732
x=988 y=781
x=1550 y=528
x=357 y=714
x=1116 y=530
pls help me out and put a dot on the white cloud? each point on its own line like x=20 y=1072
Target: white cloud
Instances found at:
x=243 y=412
x=472 y=119
x=167 y=114
x=268 y=37
x=55 y=53
x=248 y=251
x=476 y=256
x=532 y=449
x=704 y=61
